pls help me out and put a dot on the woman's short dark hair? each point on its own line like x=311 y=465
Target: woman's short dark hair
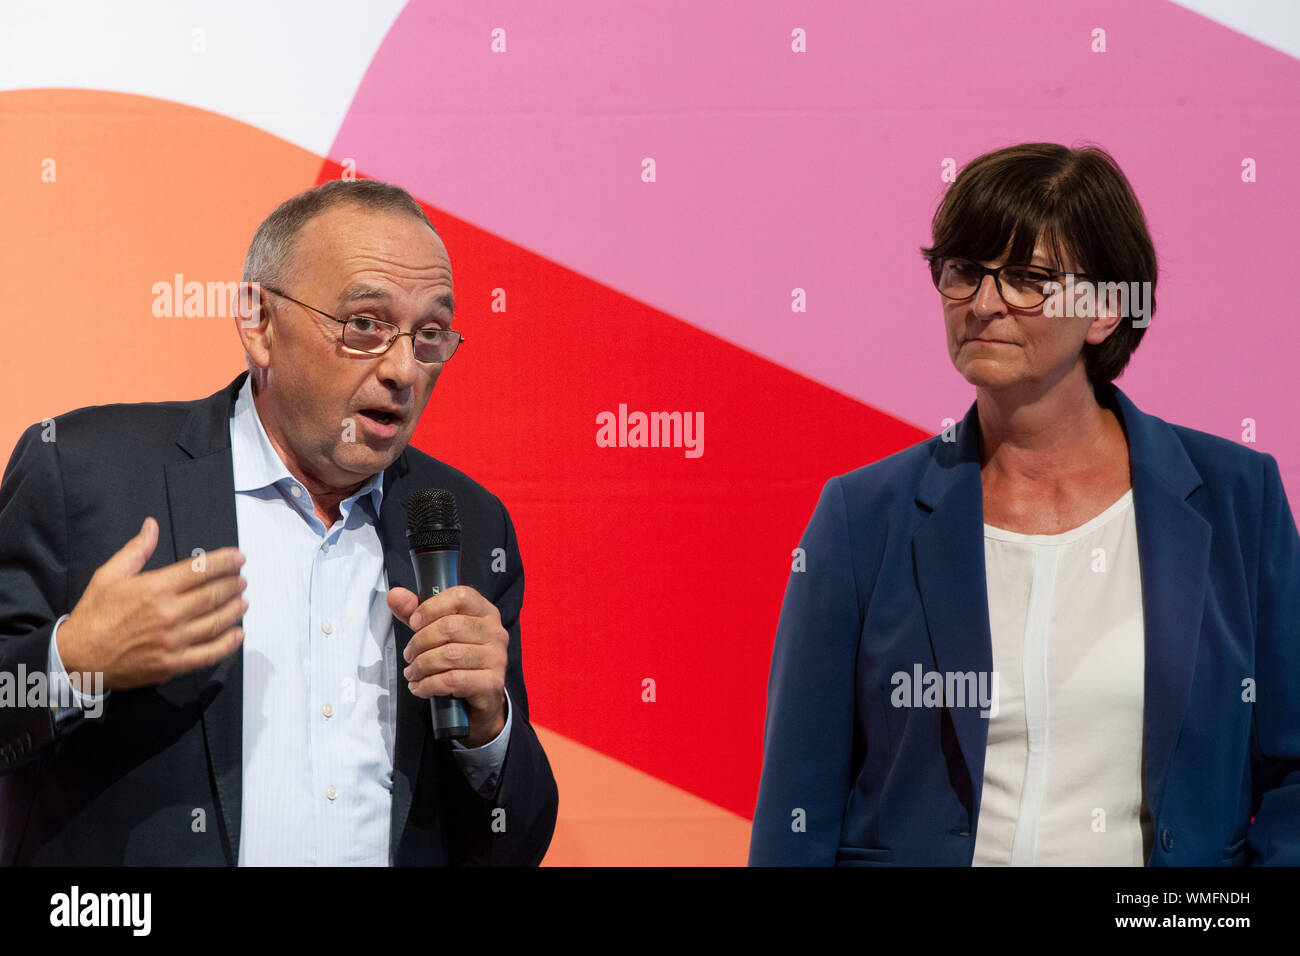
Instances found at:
x=1082 y=206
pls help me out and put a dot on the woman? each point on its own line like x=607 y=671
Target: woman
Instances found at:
x=1067 y=632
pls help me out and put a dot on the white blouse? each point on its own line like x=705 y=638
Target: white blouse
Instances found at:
x=1063 y=770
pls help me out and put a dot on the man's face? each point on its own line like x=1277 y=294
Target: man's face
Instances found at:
x=324 y=406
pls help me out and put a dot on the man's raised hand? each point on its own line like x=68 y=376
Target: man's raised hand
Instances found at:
x=144 y=628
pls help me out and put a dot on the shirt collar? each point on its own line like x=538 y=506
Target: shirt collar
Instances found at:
x=257 y=465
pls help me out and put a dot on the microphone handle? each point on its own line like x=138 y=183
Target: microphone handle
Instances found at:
x=435 y=571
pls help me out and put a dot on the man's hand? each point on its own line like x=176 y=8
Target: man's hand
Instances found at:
x=459 y=648
x=140 y=629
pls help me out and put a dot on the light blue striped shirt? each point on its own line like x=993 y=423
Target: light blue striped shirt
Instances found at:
x=320 y=669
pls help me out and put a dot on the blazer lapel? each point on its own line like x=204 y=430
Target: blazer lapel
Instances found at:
x=948 y=550
x=412 y=712
x=201 y=508
x=1174 y=553
x=1173 y=549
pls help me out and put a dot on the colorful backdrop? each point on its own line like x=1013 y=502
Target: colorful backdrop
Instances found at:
x=705 y=207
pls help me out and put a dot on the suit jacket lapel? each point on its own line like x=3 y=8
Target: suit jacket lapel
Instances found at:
x=1174 y=552
x=201 y=505
x=201 y=508
x=948 y=550
x=412 y=712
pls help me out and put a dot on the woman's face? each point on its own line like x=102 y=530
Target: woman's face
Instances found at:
x=995 y=346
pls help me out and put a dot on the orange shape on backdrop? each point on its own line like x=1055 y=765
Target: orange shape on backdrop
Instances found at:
x=143 y=190
x=612 y=814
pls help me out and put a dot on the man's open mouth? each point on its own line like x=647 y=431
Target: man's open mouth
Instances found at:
x=382 y=417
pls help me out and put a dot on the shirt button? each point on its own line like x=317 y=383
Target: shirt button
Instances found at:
x=327 y=710
x=331 y=792
x=325 y=626
x=295 y=491
x=325 y=547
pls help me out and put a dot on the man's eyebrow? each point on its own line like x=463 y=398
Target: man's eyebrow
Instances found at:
x=362 y=293
x=365 y=293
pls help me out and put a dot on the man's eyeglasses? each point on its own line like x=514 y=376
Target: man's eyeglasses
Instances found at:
x=1020 y=286
x=371 y=336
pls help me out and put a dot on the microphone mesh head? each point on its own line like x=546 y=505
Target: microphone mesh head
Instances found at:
x=432 y=521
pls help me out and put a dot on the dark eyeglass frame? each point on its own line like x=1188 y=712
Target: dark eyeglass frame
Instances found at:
x=397 y=334
x=936 y=270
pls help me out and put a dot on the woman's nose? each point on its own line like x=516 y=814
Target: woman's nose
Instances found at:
x=987 y=301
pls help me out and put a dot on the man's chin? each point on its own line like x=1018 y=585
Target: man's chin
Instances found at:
x=360 y=461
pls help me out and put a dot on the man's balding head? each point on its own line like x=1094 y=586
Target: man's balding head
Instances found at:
x=270 y=254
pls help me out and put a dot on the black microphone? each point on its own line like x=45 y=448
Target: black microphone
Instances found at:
x=433 y=533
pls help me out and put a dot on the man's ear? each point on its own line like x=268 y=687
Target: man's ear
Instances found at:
x=253 y=323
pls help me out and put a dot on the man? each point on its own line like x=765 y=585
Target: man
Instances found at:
x=237 y=571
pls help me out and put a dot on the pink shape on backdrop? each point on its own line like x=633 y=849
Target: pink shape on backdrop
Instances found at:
x=777 y=170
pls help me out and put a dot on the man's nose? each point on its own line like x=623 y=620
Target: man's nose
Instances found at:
x=399 y=367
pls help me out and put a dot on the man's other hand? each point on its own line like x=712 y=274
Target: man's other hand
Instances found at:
x=458 y=649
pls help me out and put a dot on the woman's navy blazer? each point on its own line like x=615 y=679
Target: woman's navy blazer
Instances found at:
x=894 y=578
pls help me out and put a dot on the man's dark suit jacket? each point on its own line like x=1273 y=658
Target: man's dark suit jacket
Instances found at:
x=122 y=789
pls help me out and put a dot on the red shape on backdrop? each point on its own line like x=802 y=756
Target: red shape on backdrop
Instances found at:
x=642 y=563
